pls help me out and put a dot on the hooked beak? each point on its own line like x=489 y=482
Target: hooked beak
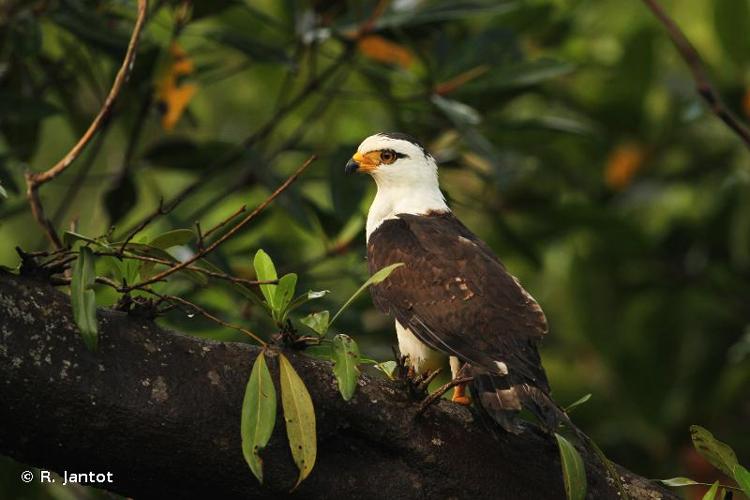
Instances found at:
x=351 y=166
x=363 y=163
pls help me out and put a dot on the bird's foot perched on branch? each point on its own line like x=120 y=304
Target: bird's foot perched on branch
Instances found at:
x=456 y=382
x=415 y=384
x=459 y=395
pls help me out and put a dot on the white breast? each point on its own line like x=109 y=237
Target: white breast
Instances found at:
x=421 y=357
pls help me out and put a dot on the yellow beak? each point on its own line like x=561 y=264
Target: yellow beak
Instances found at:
x=363 y=163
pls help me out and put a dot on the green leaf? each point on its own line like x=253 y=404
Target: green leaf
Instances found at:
x=299 y=415
x=174 y=238
x=376 y=278
x=83 y=297
x=712 y=492
x=443 y=11
x=574 y=474
x=387 y=367
x=678 y=482
x=458 y=112
x=69 y=237
x=258 y=415
x=266 y=271
x=732 y=25
x=284 y=293
x=524 y=74
x=718 y=454
x=742 y=476
x=146 y=268
x=307 y=297
x=319 y=351
x=318 y=321
x=345 y=364
x=3 y=193
x=578 y=402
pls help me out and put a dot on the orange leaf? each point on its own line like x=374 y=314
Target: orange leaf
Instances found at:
x=623 y=163
x=382 y=50
x=172 y=95
x=449 y=86
x=177 y=100
x=746 y=103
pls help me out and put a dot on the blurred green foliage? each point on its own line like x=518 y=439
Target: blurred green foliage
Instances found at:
x=570 y=137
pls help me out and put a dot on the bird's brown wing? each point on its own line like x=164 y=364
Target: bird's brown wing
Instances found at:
x=456 y=296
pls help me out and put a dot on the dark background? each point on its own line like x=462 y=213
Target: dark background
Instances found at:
x=570 y=138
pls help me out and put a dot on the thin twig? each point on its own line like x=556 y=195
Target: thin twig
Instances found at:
x=199 y=233
x=439 y=393
x=160 y=276
x=206 y=314
x=36 y=180
x=226 y=221
x=172 y=298
x=207 y=272
x=702 y=82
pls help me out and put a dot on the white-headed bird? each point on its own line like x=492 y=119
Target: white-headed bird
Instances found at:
x=452 y=297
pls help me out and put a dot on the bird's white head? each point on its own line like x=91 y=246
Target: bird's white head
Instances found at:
x=406 y=176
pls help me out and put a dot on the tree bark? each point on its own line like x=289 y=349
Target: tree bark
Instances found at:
x=161 y=411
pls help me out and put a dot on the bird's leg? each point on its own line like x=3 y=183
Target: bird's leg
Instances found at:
x=416 y=384
x=442 y=390
x=459 y=391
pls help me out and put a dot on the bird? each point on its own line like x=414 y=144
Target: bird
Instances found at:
x=452 y=297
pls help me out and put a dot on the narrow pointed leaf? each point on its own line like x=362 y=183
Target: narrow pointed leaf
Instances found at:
x=83 y=298
x=574 y=474
x=307 y=297
x=677 y=482
x=299 y=416
x=719 y=454
x=164 y=241
x=69 y=237
x=174 y=238
x=318 y=321
x=376 y=278
x=578 y=402
x=742 y=476
x=712 y=493
x=265 y=270
x=346 y=364
x=284 y=292
x=258 y=415
x=387 y=367
x=146 y=269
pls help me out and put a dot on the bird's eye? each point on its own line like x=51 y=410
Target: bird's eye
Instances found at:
x=387 y=156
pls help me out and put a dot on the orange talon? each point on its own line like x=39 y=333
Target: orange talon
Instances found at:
x=459 y=395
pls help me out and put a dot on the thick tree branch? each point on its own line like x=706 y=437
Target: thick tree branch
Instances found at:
x=161 y=412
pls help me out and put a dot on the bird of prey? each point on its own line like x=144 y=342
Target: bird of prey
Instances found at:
x=452 y=297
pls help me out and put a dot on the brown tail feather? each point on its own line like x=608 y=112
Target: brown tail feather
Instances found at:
x=502 y=402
